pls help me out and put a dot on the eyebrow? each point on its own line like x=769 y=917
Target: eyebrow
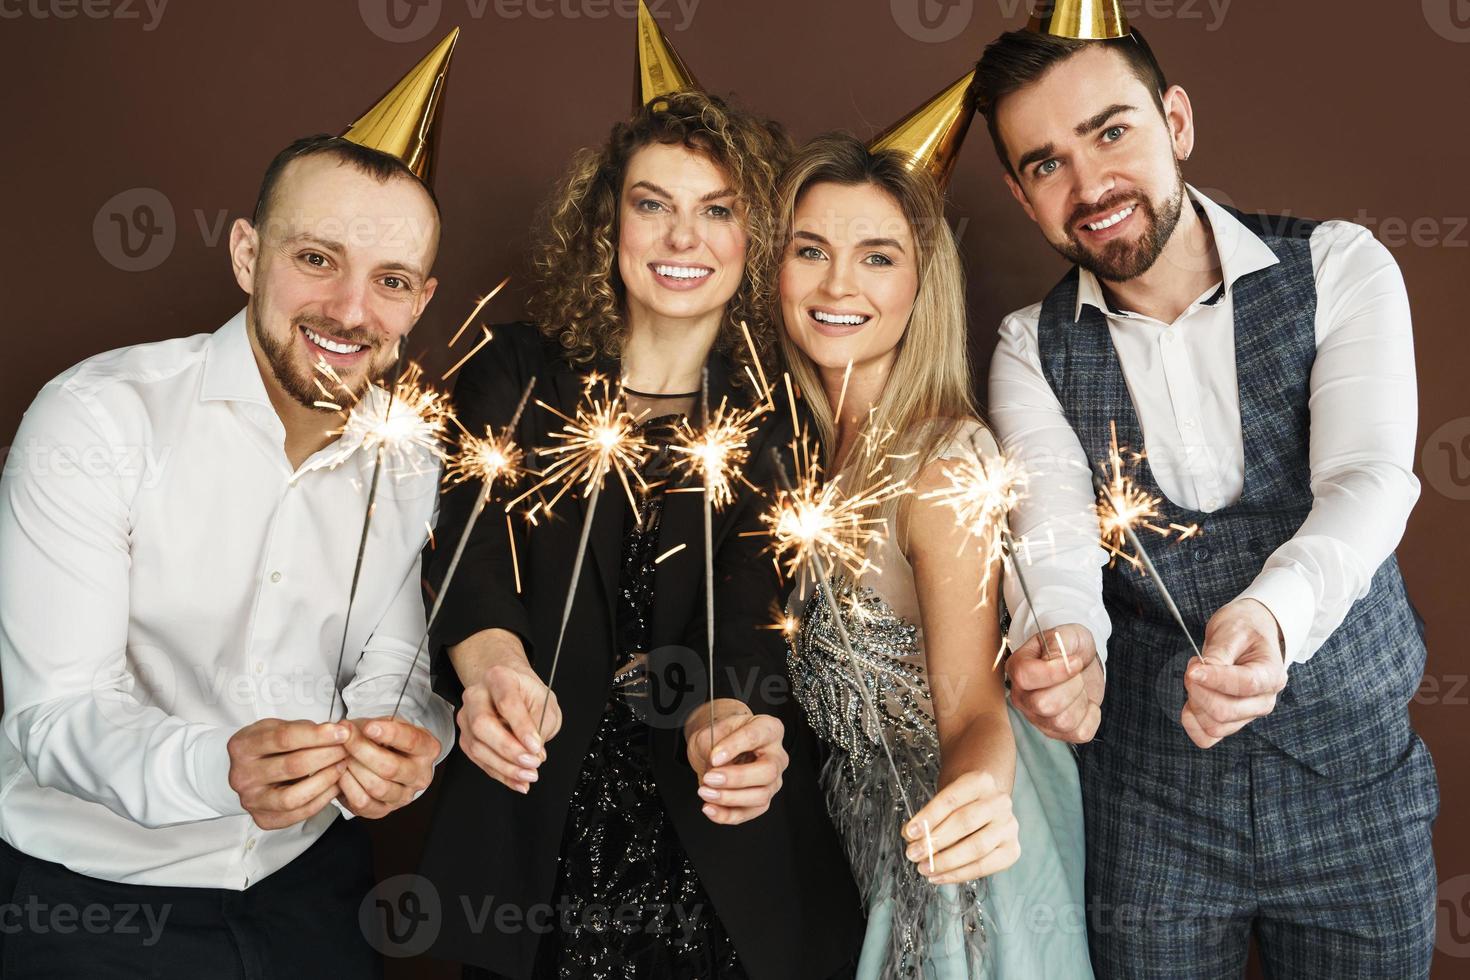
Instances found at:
x=711 y=196
x=332 y=246
x=865 y=243
x=1091 y=125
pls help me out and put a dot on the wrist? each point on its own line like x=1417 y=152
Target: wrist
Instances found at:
x=476 y=654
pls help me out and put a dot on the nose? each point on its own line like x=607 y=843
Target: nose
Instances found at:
x=839 y=282
x=681 y=235
x=1093 y=180
x=347 y=302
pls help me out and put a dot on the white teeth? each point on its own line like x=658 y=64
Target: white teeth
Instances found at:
x=681 y=271
x=846 y=320
x=1109 y=222
x=331 y=345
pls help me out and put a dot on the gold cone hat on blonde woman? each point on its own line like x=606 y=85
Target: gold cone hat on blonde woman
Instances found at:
x=403 y=123
x=931 y=135
x=657 y=68
x=1083 y=20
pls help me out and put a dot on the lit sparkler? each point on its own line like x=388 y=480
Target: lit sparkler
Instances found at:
x=1123 y=507
x=489 y=459
x=602 y=438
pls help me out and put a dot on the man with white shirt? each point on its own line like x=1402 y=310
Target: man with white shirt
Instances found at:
x=1273 y=788
x=178 y=528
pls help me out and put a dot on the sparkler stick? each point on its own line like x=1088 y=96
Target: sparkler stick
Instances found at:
x=601 y=439
x=710 y=476
x=487 y=460
x=367 y=523
x=807 y=524
x=1141 y=552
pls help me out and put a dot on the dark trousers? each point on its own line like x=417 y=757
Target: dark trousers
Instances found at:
x=1335 y=877
x=301 y=921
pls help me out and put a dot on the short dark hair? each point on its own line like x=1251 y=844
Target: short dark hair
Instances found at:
x=374 y=163
x=1018 y=58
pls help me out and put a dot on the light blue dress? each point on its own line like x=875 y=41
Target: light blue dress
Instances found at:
x=1025 y=923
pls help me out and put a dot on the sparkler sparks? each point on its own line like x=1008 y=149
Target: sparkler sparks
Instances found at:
x=406 y=428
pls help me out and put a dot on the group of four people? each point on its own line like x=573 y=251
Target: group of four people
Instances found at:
x=866 y=793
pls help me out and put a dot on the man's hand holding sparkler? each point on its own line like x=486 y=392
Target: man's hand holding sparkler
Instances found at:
x=389 y=763
x=503 y=700
x=737 y=780
x=1061 y=695
x=1237 y=678
x=286 y=771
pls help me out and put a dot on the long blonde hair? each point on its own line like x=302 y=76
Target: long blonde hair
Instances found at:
x=927 y=397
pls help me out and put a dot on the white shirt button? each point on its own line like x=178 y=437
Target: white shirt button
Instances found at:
x=250 y=844
x=1189 y=423
x=1211 y=503
x=275 y=576
x=259 y=667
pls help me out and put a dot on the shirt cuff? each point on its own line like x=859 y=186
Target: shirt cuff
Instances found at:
x=1291 y=600
x=209 y=770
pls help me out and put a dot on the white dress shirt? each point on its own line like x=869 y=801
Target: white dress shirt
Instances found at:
x=1182 y=379
x=167 y=579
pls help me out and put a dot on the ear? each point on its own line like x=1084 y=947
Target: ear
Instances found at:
x=1021 y=198
x=1179 y=114
x=244 y=253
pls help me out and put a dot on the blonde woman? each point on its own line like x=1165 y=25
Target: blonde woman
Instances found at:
x=985 y=880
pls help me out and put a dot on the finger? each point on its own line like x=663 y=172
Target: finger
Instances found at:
x=401 y=736
x=1195 y=730
x=288 y=736
x=763 y=770
x=1072 y=717
x=1052 y=701
x=512 y=696
x=732 y=816
x=292 y=766
x=380 y=789
x=291 y=796
x=1237 y=680
x=961 y=824
x=276 y=820
x=1034 y=671
x=496 y=767
x=755 y=796
x=975 y=847
x=993 y=863
x=756 y=732
x=386 y=764
x=491 y=731
x=1211 y=705
x=358 y=800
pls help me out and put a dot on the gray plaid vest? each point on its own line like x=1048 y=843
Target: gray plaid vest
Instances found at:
x=1344 y=709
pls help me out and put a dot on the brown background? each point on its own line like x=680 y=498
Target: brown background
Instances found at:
x=1324 y=108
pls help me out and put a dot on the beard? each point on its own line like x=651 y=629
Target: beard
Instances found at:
x=1120 y=261
x=298 y=382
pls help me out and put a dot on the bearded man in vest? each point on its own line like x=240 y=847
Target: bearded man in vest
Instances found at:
x=1263 y=367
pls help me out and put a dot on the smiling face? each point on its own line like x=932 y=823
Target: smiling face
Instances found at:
x=338 y=272
x=1096 y=164
x=850 y=275
x=681 y=244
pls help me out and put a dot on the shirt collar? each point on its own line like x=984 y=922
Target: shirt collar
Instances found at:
x=230 y=369
x=1241 y=253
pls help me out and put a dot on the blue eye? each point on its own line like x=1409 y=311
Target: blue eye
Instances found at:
x=1047 y=167
x=1114 y=134
x=878 y=258
x=650 y=205
x=809 y=252
x=720 y=211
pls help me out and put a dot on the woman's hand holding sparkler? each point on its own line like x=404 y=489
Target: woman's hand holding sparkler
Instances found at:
x=389 y=763
x=503 y=699
x=1237 y=678
x=743 y=773
x=967 y=831
x=1061 y=696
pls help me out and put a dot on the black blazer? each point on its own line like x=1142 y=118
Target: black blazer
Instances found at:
x=780 y=883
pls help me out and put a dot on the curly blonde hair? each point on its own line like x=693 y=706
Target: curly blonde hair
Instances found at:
x=577 y=294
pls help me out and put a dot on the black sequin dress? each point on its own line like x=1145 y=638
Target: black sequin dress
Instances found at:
x=630 y=904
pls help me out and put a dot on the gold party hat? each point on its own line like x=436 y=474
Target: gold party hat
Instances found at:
x=931 y=135
x=1084 y=20
x=403 y=123
x=657 y=68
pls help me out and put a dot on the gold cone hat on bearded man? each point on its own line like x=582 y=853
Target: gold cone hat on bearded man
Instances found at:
x=403 y=123
x=931 y=135
x=1083 y=20
x=657 y=68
